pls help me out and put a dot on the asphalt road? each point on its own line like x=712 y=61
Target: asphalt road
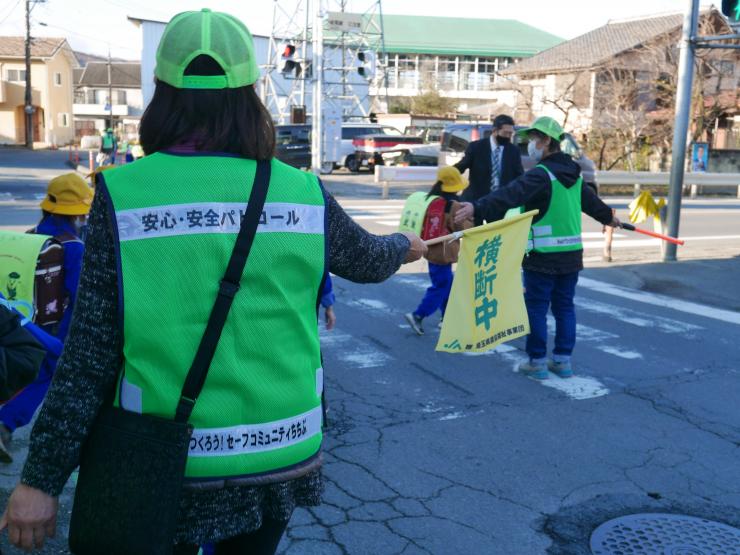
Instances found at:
x=446 y=454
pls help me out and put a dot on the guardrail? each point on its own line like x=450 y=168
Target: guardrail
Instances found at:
x=386 y=174
x=694 y=180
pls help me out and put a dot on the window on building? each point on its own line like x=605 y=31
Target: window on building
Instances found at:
x=63 y=120
x=467 y=73
x=487 y=68
x=57 y=79
x=447 y=73
x=391 y=72
x=407 y=72
x=427 y=72
x=665 y=91
x=17 y=75
x=79 y=97
x=120 y=97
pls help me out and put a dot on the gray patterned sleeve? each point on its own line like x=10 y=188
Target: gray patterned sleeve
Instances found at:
x=359 y=256
x=87 y=369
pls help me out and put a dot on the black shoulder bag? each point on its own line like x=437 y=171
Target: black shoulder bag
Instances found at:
x=132 y=466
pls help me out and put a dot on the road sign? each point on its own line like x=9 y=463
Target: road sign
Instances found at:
x=344 y=22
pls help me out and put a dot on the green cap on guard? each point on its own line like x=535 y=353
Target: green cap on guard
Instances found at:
x=218 y=35
x=545 y=125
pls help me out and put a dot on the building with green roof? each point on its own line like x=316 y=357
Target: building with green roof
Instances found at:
x=458 y=36
x=460 y=57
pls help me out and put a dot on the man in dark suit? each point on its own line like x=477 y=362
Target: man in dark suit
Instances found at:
x=493 y=162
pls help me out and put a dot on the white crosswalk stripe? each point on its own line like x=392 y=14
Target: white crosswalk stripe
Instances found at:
x=359 y=353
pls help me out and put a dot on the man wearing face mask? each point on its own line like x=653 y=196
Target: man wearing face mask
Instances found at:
x=555 y=252
x=64 y=215
x=493 y=162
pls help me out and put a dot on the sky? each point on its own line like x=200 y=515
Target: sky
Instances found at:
x=94 y=26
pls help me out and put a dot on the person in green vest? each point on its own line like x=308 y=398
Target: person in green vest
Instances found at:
x=555 y=251
x=161 y=231
x=108 y=146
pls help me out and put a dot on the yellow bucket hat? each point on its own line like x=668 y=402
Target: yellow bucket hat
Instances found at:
x=68 y=195
x=452 y=180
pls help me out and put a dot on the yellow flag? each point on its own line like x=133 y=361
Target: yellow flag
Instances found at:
x=486 y=305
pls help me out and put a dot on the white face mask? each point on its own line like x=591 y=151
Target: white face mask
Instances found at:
x=535 y=153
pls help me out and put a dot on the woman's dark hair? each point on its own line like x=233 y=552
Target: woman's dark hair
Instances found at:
x=436 y=190
x=215 y=120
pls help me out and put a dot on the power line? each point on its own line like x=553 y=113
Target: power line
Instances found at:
x=96 y=39
x=10 y=12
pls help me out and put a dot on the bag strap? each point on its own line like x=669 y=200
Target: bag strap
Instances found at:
x=228 y=288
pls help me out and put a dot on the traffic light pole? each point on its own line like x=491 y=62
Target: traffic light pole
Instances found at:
x=318 y=80
x=681 y=126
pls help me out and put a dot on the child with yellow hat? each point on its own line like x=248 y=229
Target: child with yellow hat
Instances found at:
x=64 y=214
x=450 y=183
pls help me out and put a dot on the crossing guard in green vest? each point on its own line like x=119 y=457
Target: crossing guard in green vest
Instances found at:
x=555 y=258
x=177 y=217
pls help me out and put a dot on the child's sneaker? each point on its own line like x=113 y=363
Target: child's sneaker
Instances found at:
x=534 y=369
x=415 y=323
x=562 y=369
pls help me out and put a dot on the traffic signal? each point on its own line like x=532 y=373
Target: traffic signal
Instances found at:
x=288 y=63
x=366 y=61
x=731 y=9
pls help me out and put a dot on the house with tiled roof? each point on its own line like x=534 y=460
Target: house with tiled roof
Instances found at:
x=104 y=91
x=625 y=73
x=52 y=65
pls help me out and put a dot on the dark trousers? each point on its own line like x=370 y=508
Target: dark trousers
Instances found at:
x=438 y=294
x=543 y=291
x=263 y=541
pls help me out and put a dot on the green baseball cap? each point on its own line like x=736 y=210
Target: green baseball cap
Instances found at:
x=218 y=35
x=545 y=125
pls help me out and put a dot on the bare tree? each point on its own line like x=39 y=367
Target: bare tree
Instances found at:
x=634 y=100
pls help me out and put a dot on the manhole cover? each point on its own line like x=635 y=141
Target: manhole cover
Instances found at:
x=664 y=534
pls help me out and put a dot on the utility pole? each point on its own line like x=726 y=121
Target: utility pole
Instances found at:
x=681 y=125
x=110 y=93
x=318 y=78
x=28 y=108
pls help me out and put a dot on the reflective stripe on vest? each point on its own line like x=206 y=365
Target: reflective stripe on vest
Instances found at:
x=559 y=230
x=215 y=217
x=177 y=219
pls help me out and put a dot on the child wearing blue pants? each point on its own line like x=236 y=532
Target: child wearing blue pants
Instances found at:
x=450 y=183
x=65 y=210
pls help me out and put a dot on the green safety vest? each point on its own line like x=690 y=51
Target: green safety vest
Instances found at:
x=107 y=140
x=414 y=211
x=176 y=219
x=559 y=230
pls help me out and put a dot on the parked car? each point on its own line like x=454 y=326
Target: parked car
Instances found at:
x=293 y=146
x=456 y=138
x=412 y=155
x=369 y=149
x=350 y=131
